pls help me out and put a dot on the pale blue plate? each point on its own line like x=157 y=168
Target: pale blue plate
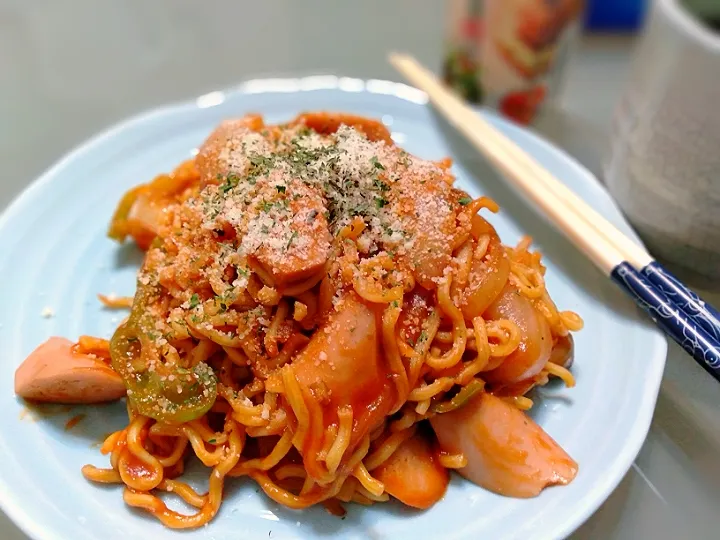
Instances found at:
x=54 y=254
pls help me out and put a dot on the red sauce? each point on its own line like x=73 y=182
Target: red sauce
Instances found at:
x=74 y=421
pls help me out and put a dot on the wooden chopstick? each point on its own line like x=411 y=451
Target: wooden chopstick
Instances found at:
x=621 y=249
x=537 y=182
x=505 y=155
x=690 y=321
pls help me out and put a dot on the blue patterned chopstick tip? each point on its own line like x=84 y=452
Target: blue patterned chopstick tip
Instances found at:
x=686 y=332
x=684 y=298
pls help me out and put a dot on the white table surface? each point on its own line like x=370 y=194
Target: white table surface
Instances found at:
x=70 y=68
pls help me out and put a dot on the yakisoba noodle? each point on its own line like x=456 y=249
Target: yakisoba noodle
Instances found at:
x=311 y=296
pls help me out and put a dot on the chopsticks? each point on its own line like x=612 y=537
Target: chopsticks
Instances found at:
x=678 y=311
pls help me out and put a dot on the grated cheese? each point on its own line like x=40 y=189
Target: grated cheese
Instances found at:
x=279 y=203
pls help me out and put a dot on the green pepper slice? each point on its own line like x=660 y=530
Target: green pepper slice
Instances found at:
x=461 y=398
x=118 y=230
x=161 y=390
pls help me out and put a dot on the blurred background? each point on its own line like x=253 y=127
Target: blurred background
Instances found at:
x=70 y=68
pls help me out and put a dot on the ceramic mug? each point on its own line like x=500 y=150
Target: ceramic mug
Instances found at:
x=664 y=165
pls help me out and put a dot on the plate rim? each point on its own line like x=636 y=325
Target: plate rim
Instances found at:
x=271 y=85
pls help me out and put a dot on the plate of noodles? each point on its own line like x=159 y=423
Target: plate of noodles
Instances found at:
x=304 y=308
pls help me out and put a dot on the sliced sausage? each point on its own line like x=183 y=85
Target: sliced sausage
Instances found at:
x=55 y=373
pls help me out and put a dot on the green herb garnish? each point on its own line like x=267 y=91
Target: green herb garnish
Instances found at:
x=382 y=186
x=293 y=236
x=231 y=181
